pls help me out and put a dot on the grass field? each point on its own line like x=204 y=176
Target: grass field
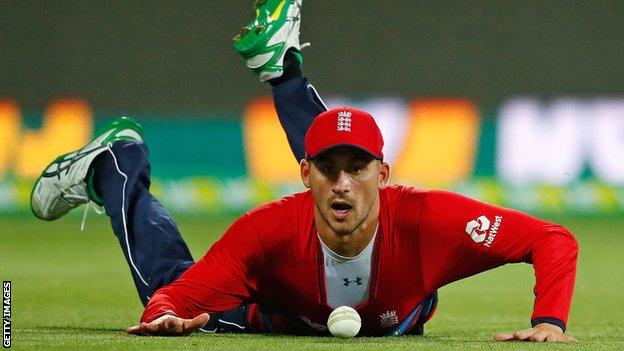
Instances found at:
x=72 y=290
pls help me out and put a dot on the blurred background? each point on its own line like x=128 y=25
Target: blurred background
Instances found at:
x=517 y=103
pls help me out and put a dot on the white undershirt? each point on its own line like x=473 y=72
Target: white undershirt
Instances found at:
x=347 y=279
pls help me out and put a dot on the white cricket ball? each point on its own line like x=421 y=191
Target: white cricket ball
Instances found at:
x=344 y=322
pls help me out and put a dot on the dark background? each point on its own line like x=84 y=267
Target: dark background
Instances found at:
x=176 y=56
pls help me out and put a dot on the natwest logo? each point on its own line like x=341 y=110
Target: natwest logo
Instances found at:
x=478 y=229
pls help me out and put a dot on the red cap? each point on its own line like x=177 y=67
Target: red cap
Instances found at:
x=344 y=126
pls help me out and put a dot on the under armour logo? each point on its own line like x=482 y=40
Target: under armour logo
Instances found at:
x=344 y=121
x=346 y=281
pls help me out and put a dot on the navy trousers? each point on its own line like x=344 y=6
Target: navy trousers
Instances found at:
x=148 y=235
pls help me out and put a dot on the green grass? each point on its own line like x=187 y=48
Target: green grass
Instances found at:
x=72 y=290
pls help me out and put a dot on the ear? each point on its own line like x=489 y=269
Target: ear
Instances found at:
x=305 y=172
x=384 y=174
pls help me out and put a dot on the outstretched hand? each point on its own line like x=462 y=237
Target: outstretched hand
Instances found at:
x=169 y=325
x=543 y=332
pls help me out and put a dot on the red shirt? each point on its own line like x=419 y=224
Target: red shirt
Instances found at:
x=425 y=240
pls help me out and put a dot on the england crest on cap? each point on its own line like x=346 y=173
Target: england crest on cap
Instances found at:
x=344 y=121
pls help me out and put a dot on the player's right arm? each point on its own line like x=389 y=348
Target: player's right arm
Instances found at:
x=170 y=325
x=224 y=278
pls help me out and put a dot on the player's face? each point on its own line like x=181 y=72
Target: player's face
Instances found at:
x=345 y=184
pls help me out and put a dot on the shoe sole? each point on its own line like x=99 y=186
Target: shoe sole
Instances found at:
x=257 y=33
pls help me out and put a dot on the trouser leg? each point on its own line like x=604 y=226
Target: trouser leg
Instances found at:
x=149 y=237
x=427 y=310
x=297 y=104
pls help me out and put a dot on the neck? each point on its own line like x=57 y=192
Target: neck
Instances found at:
x=351 y=244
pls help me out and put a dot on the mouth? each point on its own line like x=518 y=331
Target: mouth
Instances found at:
x=340 y=209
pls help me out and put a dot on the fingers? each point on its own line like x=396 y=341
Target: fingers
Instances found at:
x=189 y=326
x=133 y=330
x=520 y=336
x=523 y=334
x=534 y=335
x=539 y=337
x=137 y=329
x=503 y=337
x=559 y=338
x=552 y=338
x=161 y=326
x=170 y=326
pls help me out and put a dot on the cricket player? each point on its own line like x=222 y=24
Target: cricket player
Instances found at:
x=350 y=239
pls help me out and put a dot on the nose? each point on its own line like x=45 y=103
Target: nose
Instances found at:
x=342 y=184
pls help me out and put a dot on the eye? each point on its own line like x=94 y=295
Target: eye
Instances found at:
x=357 y=169
x=327 y=168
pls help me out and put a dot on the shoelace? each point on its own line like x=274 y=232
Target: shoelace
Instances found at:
x=96 y=208
x=89 y=204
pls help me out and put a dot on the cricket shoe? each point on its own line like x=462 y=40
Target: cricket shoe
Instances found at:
x=63 y=183
x=275 y=30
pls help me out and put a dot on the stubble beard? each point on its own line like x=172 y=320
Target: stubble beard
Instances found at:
x=358 y=225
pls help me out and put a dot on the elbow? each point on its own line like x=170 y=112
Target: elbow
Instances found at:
x=567 y=242
x=557 y=241
x=574 y=248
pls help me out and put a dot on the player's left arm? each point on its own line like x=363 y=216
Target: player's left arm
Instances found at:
x=460 y=237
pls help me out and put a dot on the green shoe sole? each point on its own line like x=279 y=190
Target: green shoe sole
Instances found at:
x=270 y=16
